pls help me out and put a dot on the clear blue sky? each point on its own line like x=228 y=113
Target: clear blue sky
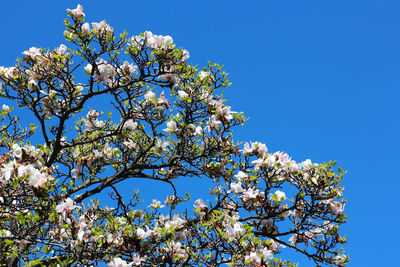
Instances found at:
x=318 y=79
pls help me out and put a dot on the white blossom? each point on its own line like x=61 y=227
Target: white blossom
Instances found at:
x=88 y=68
x=77 y=12
x=85 y=28
x=17 y=151
x=5 y=108
x=183 y=94
x=267 y=254
x=236 y=188
x=278 y=196
x=203 y=74
x=156 y=204
x=171 y=127
x=61 y=49
x=149 y=96
x=253 y=258
x=199 y=204
x=118 y=262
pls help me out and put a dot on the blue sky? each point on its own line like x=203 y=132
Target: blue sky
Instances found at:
x=318 y=79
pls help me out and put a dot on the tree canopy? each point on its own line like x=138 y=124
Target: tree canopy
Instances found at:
x=166 y=120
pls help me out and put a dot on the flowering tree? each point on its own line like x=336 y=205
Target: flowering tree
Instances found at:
x=170 y=121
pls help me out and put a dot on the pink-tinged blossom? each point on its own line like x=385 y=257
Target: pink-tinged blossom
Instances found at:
x=175 y=249
x=17 y=151
x=250 y=194
x=275 y=245
x=151 y=233
x=137 y=41
x=91 y=121
x=224 y=111
x=31 y=150
x=129 y=68
x=171 y=127
x=92 y=114
x=170 y=200
x=294 y=167
x=317 y=231
x=235 y=231
x=5 y=108
x=77 y=12
x=267 y=254
x=307 y=164
x=310 y=235
x=9 y=73
x=66 y=206
x=259 y=163
x=106 y=72
x=216 y=190
x=85 y=28
x=37 y=179
x=33 y=53
x=130 y=144
x=163 y=101
x=257 y=148
x=149 y=96
x=102 y=27
x=118 y=262
x=32 y=83
x=25 y=170
x=130 y=125
x=177 y=222
x=206 y=96
x=78 y=90
x=81 y=225
x=336 y=207
x=253 y=258
x=156 y=204
x=247 y=150
x=158 y=41
x=7 y=170
x=199 y=204
x=282 y=158
x=236 y=188
x=185 y=55
x=137 y=260
x=62 y=49
x=213 y=123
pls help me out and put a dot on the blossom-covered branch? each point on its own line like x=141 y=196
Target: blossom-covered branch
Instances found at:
x=164 y=120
